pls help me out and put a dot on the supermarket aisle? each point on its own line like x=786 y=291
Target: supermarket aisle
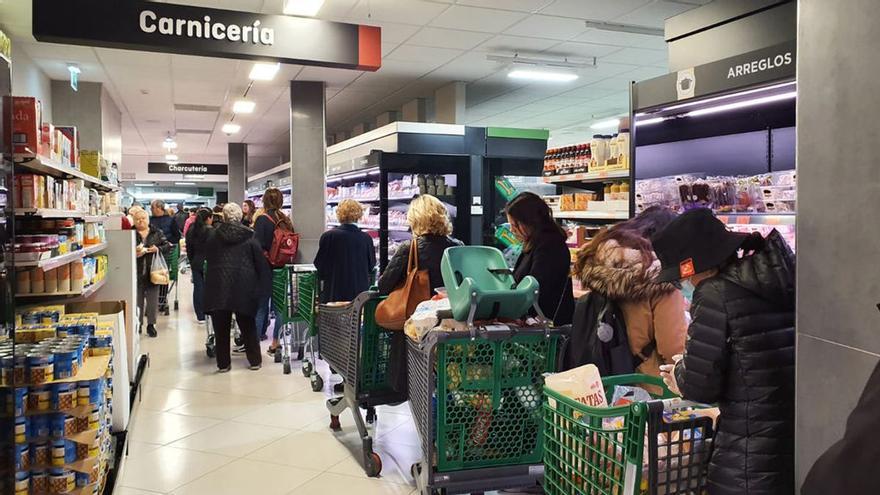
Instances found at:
x=262 y=432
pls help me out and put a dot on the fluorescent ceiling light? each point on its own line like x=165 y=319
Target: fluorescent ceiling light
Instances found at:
x=184 y=183
x=538 y=75
x=302 y=7
x=606 y=124
x=742 y=104
x=230 y=128
x=243 y=106
x=149 y=184
x=170 y=158
x=549 y=63
x=655 y=120
x=624 y=28
x=264 y=72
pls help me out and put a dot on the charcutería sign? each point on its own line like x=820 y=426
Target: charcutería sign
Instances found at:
x=187 y=168
x=193 y=30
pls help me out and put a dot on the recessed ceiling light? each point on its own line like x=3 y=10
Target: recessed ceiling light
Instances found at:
x=170 y=158
x=264 y=72
x=540 y=75
x=606 y=124
x=185 y=183
x=149 y=184
x=169 y=143
x=230 y=128
x=302 y=7
x=243 y=106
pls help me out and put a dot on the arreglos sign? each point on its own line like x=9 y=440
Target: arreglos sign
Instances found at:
x=193 y=30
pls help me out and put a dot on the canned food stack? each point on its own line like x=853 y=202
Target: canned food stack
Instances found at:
x=57 y=385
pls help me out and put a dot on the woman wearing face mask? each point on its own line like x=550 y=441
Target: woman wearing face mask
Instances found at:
x=545 y=255
x=740 y=348
x=620 y=264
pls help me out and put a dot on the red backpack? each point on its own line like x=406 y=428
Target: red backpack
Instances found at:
x=285 y=243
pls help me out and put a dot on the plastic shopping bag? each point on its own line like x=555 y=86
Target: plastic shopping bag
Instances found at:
x=159 y=274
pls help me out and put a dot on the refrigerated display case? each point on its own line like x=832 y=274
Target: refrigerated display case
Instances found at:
x=277 y=177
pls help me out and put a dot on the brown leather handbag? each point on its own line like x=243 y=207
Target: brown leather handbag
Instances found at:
x=393 y=312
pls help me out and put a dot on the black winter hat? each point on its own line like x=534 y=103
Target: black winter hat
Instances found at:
x=694 y=242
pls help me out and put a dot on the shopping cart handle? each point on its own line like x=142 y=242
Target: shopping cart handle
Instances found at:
x=676 y=403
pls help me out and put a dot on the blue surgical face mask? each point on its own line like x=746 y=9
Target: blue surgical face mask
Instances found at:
x=687 y=289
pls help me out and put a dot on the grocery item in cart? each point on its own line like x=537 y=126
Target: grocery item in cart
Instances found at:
x=583 y=384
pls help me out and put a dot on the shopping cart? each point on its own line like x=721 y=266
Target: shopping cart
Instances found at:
x=210 y=340
x=476 y=400
x=358 y=349
x=294 y=297
x=600 y=451
x=172 y=259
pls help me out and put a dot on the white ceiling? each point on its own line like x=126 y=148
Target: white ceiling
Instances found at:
x=426 y=44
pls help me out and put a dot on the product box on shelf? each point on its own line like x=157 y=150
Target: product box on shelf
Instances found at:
x=26 y=122
x=72 y=135
x=90 y=162
x=47 y=139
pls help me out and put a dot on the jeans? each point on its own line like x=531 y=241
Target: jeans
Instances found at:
x=222 y=321
x=198 y=278
x=262 y=319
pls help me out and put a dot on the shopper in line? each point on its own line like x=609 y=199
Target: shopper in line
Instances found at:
x=196 y=238
x=189 y=221
x=431 y=228
x=740 y=347
x=346 y=257
x=150 y=242
x=545 y=255
x=264 y=232
x=236 y=280
x=620 y=265
x=650 y=222
x=248 y=210
x=180 y=217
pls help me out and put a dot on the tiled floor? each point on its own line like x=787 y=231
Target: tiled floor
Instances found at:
x=246 y=432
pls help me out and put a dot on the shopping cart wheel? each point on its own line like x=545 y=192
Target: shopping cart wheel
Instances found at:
x=307 y=368
x=287 y=368
x=317 y=383
x=373 y=464
x=278 y=356
x=371 y=415
x=334 y=423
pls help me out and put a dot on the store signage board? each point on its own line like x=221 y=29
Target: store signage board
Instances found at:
x=187 y=168
x=775 y=63
x=192 y=30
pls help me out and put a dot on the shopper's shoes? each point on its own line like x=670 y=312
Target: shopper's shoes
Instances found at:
x=239 y=349
x=255 y=367
x=224 y=370
x=202 y=322
x=151 y=331
x=264 y=337
x=271 y=350
x=339 y=387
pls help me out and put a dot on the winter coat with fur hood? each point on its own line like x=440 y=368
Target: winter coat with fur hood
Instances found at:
x=653 y=312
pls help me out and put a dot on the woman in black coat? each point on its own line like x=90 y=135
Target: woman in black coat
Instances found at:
x=740 y=348
x=346 y=256
x=545 y=255
x=150 y=242
x=235 y=282
x=196 y=237
x=429 y=222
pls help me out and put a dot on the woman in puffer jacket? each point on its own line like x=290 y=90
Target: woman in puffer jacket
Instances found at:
x=621 y=265
x=740 y=348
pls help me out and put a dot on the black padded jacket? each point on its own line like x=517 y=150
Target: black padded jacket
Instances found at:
x=740 y=354
x=238 y=275
x=431 y=249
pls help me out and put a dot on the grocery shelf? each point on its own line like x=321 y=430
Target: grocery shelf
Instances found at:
x=591 y=215
x=78 y=411
x=94 y=248
x=54 y=262
x=49 y=213
x=44 y=165
x=86 y=292
x=588 y=177
x=758 y=218
x=95 y=218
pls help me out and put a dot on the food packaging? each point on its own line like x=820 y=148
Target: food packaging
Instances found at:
x=26 y=124
x=583 y=384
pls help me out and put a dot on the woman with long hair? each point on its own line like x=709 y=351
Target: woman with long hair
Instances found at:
x=545 y=255
x=264 y=232
x=247 y=211
x=196 y=239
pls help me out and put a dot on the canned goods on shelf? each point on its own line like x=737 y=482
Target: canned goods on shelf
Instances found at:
x=61 y=480
x=41 y=367
x=22 y=482
x=22 y=454
x=19 y=401
x=59 y=452
x=57 y=424
x=40 y=426
x=21 y=429
x=63 y=396
x=64 y=359
x=6 y=368
x=41 y=454
x=39 y=482
x=39 y=398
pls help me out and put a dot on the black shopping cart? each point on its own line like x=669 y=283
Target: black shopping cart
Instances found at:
x=358 y=349
x=476 y=401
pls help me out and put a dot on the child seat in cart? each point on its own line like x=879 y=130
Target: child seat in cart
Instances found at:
x=658 y=447
x=361 y=352
x=294 y=295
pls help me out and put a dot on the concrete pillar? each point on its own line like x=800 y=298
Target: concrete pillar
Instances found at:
x=837 y=283
x=95 y=115
x=386 y=118
x=238 y=167
x=415 y=111
x=308 y=158
x=449 y=104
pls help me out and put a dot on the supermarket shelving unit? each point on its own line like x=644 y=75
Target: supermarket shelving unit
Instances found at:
x=721 y=126
x=278 y=177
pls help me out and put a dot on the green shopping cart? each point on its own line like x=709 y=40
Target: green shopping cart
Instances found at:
x=294 y=296
x=600 y=451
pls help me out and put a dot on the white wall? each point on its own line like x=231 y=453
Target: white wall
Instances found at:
x=30 y=80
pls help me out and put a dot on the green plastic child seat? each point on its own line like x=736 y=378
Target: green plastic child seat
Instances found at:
x=479 y=275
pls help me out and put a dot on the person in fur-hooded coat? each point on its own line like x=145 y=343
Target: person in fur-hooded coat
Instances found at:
x=621 y=265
